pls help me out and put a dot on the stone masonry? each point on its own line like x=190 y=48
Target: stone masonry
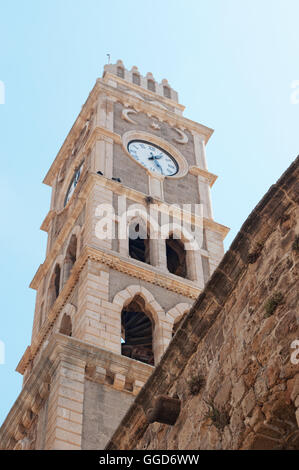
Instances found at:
x=233 y=363
x=79 y=378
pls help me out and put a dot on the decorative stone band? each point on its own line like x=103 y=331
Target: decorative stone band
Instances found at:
x=127 y=100
x=210 y=177
x=115 y=261
x=74 y=211
x=118 y=372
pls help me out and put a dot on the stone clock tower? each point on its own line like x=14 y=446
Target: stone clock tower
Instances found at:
x=121 y=269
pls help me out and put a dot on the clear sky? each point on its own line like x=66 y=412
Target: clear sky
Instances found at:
x=233 y=63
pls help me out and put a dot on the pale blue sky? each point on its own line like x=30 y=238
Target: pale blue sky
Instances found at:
x=232 y=61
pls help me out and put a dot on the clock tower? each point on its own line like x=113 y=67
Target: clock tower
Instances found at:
x=131 y=243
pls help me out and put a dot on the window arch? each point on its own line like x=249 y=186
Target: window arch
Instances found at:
x=151 y=85
x=176 y=257
x=139 y=241
x=54 y=287
x=66 y=325
x=137 y=331
x=70 y=258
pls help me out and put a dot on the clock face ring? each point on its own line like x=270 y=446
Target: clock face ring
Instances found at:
x=154 y=158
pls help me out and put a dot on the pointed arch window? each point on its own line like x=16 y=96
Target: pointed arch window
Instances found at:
x=176 y=257
x=139 y=242
x=54 y=288
x=137 y=332
x=66 y=325
x=70 y=258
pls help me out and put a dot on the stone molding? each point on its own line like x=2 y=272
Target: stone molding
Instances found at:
x=135 y=269
x=128 y=100
x=101 y=366
x=210 y=177
x=75 y=209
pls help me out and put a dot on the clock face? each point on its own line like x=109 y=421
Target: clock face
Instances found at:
x=73 y=184
x=153 y=157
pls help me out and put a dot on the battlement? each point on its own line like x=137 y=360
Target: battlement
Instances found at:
x=148 y=82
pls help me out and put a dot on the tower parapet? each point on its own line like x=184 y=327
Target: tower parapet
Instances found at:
x=147 y=82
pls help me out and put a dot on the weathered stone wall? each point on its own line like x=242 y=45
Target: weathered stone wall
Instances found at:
x=230 y=361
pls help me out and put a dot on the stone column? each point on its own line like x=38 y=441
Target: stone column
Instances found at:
x=205 y=196
x=194 y=267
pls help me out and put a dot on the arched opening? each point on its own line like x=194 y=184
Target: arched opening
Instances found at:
x=70 y=258
x=151 y=85
x=66 y=325
x=137 y=332
x=120 y=72
x=136 y=78
x=176 y=257
x=166 y=91
x=139 y=242
x=54 y=285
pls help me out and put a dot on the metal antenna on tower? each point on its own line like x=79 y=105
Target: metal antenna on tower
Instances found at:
x=108 y=55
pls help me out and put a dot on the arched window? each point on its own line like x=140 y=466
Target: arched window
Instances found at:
x=120 y=72
x=151 y=85
x=54 y=285
x=70 y=258
x=136 y=78
x=137 y=332
x=176 y=257
x=166 y=91
x=139 y=243
x=66 y=325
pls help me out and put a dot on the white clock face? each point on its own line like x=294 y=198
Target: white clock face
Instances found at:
x=153 y=158
x=73 y=185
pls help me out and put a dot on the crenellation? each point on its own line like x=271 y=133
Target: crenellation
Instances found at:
x=134 y=77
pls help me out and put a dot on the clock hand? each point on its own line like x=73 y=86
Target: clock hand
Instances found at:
x=155 y=157
x=158 y=165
